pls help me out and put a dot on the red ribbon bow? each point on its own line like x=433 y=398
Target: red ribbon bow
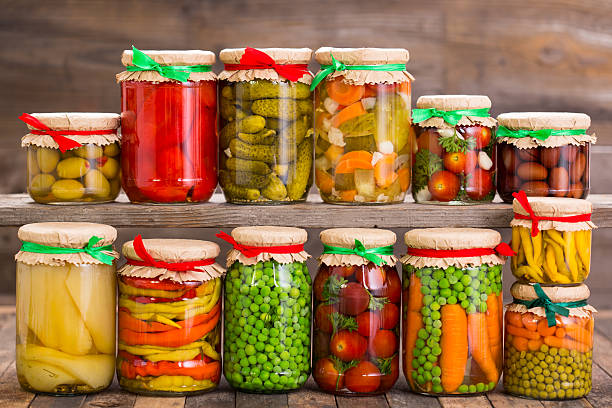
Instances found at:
x=252 y=251
x=501 y=249
x=521 y=197
x=147 y=260
x=255 y=59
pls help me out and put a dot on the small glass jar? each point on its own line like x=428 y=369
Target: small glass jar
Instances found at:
x=169 y=317
x=168 y=130
x=555 y=165
x=454 y=162
x=557 y=252
x=362 y=126
x=452 y=329
x=267 y=311
x=547 y=360
x=265 y=136
x=88 y=173
x=66 y=302
x=357 y=314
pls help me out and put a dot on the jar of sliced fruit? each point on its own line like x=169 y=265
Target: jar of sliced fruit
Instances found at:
x=362 y=125
x=169 y=317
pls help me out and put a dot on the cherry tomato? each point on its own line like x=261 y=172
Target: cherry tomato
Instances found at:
x=387 y=380
x=371 y=276
x=471 y=161
x=364 y=377
x=321 y=344
x=383 y=344
x=454 y=162
x=479 y=184
x=428 y=139
x=389 y=316
x=322 y=321
x=327 y=376
x=319 y=283
x=443 y=185
x=348 y=345
x=482 y=134
x=368 y=323
x=393 y=286
x=354 y=299
x=344 y=271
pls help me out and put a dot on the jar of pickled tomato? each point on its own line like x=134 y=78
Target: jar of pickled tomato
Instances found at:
x=357 y=294
x=168 y=126
x=169 y=317
x=362 y=125
x=453 y=163
x=66 y=305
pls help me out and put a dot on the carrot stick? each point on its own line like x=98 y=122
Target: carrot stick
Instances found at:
x=500 y=299
x=522 y=332
x=414 y=323
x=530 y=322
x=454 y=344
x=350 y=112
x=514 y=319
x=415 y=297
x=494 y=329
x=480 y=345
x=534 y=345
x=579 y=334
x=520 y=343
x=560 y=332
x=554 y=341
x=544 y=330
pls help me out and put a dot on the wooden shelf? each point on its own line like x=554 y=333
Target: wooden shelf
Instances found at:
x=19 y=209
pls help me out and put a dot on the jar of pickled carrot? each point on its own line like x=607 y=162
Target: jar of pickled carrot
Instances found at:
x=549 y=342
x=452 y=330
x=169 y=317
x=66 y=305
x=552 y=239
x=168 y=125
x=363 y=135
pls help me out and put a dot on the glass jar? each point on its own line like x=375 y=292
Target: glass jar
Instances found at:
x=169 y=130
x=362 y=126
x=453 y=163
x=548 y=359
x=80 y=164
x=266 y=136
x=551 y=251
x=169 y=317
x=66 y=291
x=543 y=154
x=453 y=306
x=267 y=311
x=357 y=309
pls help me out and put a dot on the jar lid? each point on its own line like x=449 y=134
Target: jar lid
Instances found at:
x=369 y=237
x=67 y=234
x=279 y=55
x=174 y=250
x=173 y=57
x=452 y=238
x=556 y=294
x=452 y=103
x=78 y=120
x=544 y=120
x=554 y=207
x=362 y=56
x=268 y=235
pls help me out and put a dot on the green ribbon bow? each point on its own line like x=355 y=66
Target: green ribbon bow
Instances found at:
x=549 y=306
x=451 y=117
x=339 y=66
x=142 y=62
x=90 y=249
x=541 y=134
x=369 y=254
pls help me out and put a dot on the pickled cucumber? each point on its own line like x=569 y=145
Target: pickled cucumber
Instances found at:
x=344 y=181
x=246 y=151
x=233 y=192
x=72 y=167
x=250 y=124
x=264 y=137
x=111 y=150
x=47 y=159
x=252 y=166
x=89 y=151
x=275 y=190
x=68 y=189
x=303 y=169
x=296 y=131
x=282 y=108
x=250 y=180
x=96 y=184
x=40 y=185
x=354 y=143
x=266 y=89
x=230 y=111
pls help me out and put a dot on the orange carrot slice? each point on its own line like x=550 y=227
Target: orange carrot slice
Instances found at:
x=351 y=111
x=358 y=155
x=344 y=93
x=348 y=195
x=404 y=178
x=349 y=166
x=383 y=170
x=324 y=181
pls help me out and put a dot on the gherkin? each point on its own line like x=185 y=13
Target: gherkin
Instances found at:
x=264 y=136
x=275 y=190
x=250 y=124
x=281 y=108
x=234 y=192
x=252 y=166
x=298 y=181
x=246 y=151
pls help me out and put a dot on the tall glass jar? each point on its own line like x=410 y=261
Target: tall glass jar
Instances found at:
x=267 y=310
x=453 y=310
x=66 y=291
x=549 y=356
x=265 y=136
x=453 y=163
x=72 y=157
x=543 y=154
x=168 y=127
x=362 y=126
x=357 y=294
x=169 y=317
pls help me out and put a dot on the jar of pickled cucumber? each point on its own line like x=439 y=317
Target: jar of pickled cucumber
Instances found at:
x=543 y=154
x=552 y=239
x=454 y=162
x=169 y=317
x=452 y=329
x=73 y=157
x=267 y=308
x=549 y=342
x=363 y=135
x=357 y=294
x=66 y=302
x=168 y=126
x=265 y=130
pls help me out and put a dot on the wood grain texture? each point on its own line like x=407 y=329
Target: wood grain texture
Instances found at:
x=378 y=401
x=500 y=400
x=222 y=397
x=400 y=396
x=310 y=396
x=244 y=400
x=11 y=394
x=113 y=397
x=465 y=402
x=45 y=401
x=157 y=402
x=601 y=394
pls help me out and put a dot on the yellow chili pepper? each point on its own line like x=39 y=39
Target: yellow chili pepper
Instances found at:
x=583 y=247
x=560 y=261
x=552 y=267
x=537 y=248
x=516 y=243
x=526 y=243
x=556 y=236
x=570 y=254
x=165 y=320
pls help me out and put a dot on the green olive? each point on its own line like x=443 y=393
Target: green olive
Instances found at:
x=96 y=184
x=110 y=167
x=67 y=154
x=89 y=151
x=47 y=159
x=33 y=168
x=72 y=167
x=68 y=190
x=111 y=149
x=40 y=185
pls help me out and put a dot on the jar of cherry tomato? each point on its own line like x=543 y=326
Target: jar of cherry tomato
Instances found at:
x=362 y=125
x=543 y=154
x=453 y=163
x=168 y=124
x=357 y=294
x=169 y=317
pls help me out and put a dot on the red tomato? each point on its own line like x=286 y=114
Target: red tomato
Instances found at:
x=389 y=316
x=364 y=377
x=383 y=344
x=320 y=346
x=471 y=161
x=479 y=184
x=327 y=376
x=322 y=321
x=443 y=185
x=393 y=286
x=367 y=323
x=428 y=139
x=387 y=381
x=482 y=135
x=348 y=345
x=354 y=299
x=371 y=276
x=319 y=283
x=344 y=271
x=454 y=162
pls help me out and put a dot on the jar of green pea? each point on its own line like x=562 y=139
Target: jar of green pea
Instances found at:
x=267 y=310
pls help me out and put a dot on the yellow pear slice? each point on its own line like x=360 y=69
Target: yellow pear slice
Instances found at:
x=45 y=377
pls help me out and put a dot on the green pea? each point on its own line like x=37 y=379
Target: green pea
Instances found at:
x=444 y=284
x=451 y=300
x=458 y=287
x=472 y=388
x=446 y=293
x=466 y=280
x=463 y=388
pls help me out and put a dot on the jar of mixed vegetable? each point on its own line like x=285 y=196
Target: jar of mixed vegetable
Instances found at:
x=453 y=310
x=267 y=310
x=362 y=125
x=168 y=126
x=552 y=239
x=66 y=302
x=549 y=342
x=72 y=157
x=453 y=163
x=543 y=154
x=265 y=134
x=357 y=294
x=169 y=317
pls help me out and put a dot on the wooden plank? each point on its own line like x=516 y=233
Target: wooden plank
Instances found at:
x=159 y=402
x=222 y=397
x=46 y=401
x=465 y=402
x=577 y=403
x=501 y=400
x=601 y=394
x=601 y=351
x=400 y=396
x=11 y=394
x=244 y=400
x=113 y=397
x=311 y=396
x=378 y=401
